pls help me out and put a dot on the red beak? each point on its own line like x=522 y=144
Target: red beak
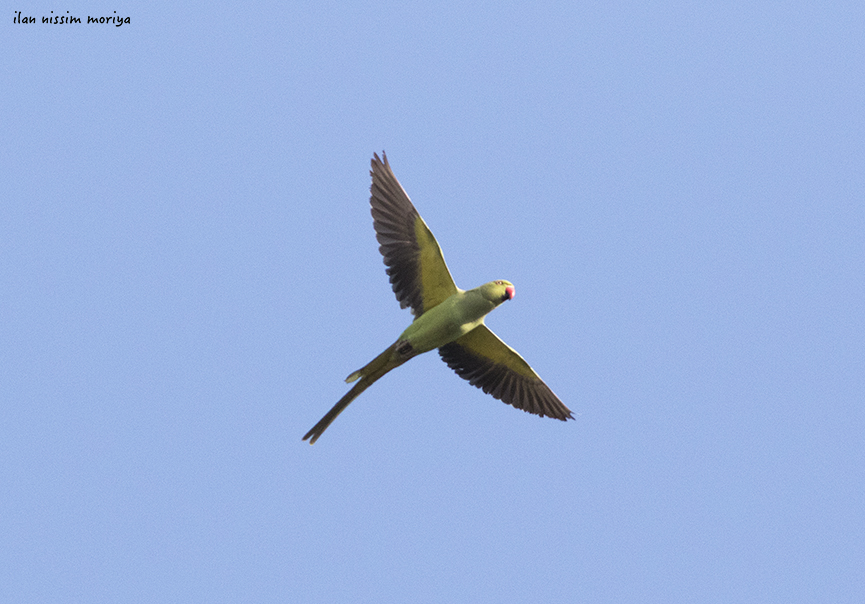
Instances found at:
x=510 y=292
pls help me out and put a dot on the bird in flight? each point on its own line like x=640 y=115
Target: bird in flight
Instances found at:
x=445 y=316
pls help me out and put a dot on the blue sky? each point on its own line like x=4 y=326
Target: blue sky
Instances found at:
x=189 y=271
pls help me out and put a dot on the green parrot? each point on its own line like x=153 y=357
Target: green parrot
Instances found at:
x=446 y=317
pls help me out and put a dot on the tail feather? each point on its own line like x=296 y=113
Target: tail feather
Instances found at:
x=368 y=375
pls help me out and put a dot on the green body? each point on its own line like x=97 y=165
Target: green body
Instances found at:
x=453 y=318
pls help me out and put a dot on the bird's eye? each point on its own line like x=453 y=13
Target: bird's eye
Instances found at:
x=498 y=282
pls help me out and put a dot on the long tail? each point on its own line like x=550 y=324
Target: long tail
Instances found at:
x=371 y=372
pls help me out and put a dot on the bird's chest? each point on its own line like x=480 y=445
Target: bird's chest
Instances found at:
x=443 y=324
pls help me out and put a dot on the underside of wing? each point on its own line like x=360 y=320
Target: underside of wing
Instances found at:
x=415 y=264
x=488 y=363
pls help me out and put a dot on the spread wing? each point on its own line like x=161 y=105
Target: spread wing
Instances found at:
x=415 y=264
x=488 y=363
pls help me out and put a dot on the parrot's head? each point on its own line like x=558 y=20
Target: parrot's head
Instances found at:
x=498 y=291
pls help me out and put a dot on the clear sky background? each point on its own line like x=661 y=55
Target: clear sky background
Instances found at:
x=188 y=270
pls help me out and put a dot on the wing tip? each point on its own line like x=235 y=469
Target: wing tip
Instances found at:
x=379 y=161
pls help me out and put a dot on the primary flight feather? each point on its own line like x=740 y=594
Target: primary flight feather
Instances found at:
x=446 y=317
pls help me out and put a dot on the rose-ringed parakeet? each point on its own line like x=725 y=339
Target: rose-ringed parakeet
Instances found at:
x=446 y=317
